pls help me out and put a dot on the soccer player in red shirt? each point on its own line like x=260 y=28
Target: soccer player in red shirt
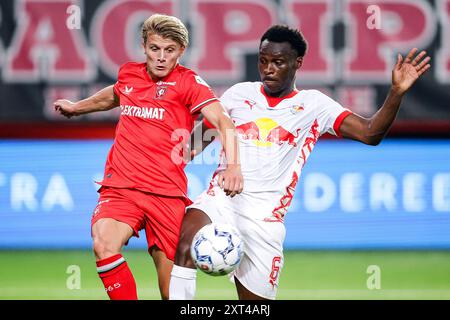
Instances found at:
x=144 y=184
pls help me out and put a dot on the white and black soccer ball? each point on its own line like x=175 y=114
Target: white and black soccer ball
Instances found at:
x=217 y=249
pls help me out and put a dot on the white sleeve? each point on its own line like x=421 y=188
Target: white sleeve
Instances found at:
x=227 y=99
x=330 y=114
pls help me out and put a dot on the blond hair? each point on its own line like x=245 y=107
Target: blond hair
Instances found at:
x=167 y=27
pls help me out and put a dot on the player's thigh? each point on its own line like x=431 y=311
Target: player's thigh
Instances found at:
x=263 y=260
x=244 y=293
x=163 y=219
x=193 y=221
x=210 y=206
x=115 y=219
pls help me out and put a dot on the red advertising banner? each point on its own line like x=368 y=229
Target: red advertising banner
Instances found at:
x=52 y=49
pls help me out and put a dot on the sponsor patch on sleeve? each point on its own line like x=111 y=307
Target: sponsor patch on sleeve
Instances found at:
x=201 y=81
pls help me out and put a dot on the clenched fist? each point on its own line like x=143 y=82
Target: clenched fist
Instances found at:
x=66 y=108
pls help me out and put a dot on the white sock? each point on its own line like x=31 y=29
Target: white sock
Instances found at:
x=182 y=283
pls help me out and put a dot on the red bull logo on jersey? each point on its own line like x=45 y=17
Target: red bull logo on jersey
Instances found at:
x=264 y=132
x=297 y=108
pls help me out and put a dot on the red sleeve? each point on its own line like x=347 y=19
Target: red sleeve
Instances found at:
x=116 y=88
x=119 y=78
x=198 y=93
x=338 y=122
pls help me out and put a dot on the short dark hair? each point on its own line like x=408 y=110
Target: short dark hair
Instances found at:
x=283 y=33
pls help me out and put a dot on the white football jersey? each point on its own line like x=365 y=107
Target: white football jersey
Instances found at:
x=276 y=141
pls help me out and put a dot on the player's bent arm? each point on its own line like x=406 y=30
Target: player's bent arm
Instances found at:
x=217 y=116
x=231 y=179
x=371 y=131
x=103 y=100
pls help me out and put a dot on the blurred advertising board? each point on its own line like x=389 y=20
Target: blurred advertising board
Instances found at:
x=349 y=196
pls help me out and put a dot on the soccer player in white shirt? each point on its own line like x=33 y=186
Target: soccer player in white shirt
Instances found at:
x=278 y=127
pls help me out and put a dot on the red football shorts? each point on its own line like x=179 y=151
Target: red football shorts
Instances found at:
x=159 y=215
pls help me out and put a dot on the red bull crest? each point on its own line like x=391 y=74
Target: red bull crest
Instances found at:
x=297 y=108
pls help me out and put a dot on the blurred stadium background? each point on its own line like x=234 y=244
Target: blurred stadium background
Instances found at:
x=365 y=223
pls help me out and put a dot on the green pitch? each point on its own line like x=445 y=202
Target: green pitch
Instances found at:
x=306 y=275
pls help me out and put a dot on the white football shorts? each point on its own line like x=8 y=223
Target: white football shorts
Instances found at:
x=251 y=215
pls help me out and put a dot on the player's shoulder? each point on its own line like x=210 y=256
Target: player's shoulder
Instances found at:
x=131 y=69
x=132 y=65
x=182 y=70
x=189 y=76
x=185 y=72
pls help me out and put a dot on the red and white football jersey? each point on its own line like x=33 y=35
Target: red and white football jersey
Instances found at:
x=277 y=135
x=156 y=119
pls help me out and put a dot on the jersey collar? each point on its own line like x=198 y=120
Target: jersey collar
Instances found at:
x=274 y=101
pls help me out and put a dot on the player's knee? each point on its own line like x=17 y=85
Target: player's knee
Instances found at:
x=183 y=255
x=193 y=221
x=104 y=248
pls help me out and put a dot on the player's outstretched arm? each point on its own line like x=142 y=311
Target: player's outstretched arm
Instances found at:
x=231 y=179
x=405 y=73
x=103 y=100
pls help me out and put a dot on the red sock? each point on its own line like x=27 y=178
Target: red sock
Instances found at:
x=117 y=278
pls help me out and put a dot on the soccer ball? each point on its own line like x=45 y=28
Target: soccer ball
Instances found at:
x=217 y=249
